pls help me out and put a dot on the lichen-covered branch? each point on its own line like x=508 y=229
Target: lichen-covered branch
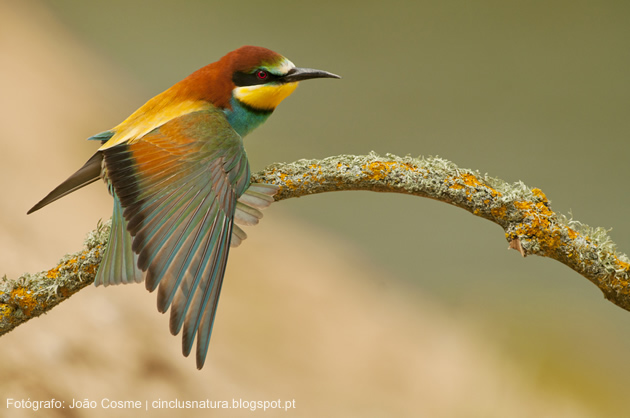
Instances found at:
x=530 y=226
x=34 y=294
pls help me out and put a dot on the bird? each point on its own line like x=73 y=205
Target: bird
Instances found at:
x=180 y=181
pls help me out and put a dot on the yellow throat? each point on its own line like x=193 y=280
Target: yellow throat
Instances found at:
x=264 y=96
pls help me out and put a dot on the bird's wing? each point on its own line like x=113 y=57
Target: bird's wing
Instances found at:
x=179 y=187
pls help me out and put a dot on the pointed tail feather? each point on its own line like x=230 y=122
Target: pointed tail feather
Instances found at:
x=89 y=173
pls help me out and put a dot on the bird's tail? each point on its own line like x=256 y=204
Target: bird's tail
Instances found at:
x=120 y=263
x=89 y=173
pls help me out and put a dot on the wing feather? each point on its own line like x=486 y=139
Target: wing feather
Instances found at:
x=179 y=186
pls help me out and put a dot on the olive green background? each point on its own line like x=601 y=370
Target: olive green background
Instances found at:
x=531 y=91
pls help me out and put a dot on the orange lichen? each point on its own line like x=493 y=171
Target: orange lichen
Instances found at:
x=469 y=180
x=314 y=175
x=540 y=195
x=539 y=222
x=379 y=170
x=286 y=181
x=499 y=212
x=622 y=265
x=91 y=269
x=5 y=310
x=523 y=205
x=72 y=265
x=572 y=233
x=24 y=299
x=53 y=273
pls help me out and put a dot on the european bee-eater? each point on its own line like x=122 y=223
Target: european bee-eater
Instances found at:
x=180 y=179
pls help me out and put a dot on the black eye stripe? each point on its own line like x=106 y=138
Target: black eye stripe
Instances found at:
x=241 y=79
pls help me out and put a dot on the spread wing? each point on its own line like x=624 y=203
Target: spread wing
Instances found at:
x=178 y=186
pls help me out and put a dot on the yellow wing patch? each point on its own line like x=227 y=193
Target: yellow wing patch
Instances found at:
x=153 y=114
x=264 y=96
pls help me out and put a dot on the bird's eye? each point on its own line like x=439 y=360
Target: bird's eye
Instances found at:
x=262 y=74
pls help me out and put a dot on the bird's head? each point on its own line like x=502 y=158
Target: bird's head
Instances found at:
x=247 y=83
x=263 y=78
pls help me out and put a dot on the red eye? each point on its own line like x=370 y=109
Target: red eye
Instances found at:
x=261 y=74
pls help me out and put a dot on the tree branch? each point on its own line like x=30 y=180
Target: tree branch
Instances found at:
x=531 y=227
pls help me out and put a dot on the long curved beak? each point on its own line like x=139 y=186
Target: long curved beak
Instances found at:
x=299 y=74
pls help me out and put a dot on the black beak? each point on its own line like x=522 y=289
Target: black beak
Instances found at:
x=299 y=74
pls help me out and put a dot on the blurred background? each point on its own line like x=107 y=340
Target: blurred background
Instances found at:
x=352 y=304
